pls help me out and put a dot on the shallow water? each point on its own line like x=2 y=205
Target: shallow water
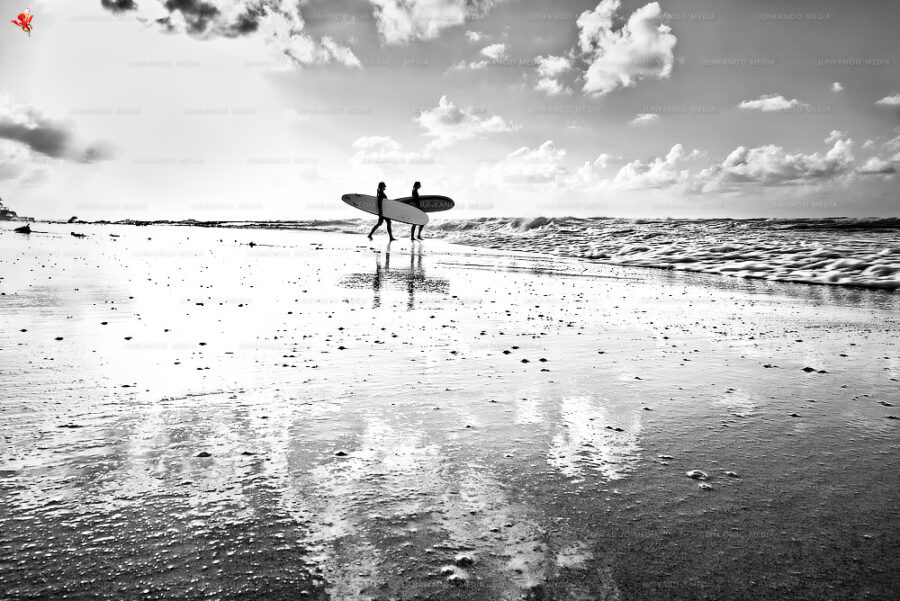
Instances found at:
x=373 y=430
x=836 y=251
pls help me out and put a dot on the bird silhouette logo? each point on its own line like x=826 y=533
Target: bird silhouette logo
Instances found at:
x=24 y=21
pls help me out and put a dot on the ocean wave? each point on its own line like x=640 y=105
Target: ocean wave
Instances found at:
x=837 y=251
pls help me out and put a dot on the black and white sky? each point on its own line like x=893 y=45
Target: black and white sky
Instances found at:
x=271 y=109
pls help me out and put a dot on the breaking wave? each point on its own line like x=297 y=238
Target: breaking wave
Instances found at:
x=836 y=251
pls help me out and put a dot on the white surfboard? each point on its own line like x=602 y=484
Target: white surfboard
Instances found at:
x=391 y=209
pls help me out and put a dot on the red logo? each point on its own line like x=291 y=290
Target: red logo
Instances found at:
x=25 y=21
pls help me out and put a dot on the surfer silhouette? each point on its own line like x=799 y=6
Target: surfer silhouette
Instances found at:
x=381 y=196
x=418 y=204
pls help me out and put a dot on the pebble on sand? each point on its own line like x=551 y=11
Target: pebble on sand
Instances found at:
x=204 y=454
x=697 y=475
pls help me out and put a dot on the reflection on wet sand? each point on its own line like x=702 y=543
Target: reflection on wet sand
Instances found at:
x=411 y=279
x=272 y=437
x=592 y=438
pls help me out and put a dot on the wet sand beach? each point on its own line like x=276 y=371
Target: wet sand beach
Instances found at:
x=187 y=415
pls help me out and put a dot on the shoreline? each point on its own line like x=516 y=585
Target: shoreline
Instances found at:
x=817 y=261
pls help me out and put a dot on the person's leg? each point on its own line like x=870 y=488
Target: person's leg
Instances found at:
x=421 y=227
x=377 y=225
x=390 y=233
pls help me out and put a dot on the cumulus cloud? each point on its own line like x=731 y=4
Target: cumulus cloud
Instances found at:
x=402 y=21
x=45 y=135
x=495 y=52
x=384 y=151
x=834 y=136
x=590 y=173
x=449 y=124
x=645 y=119
x=542 y=165
x=549 y=69
x=642 y=48
x=772 y=165
x=279 y=21
x=745 y=168
x=660 y=172
x=474 y=36
x=892 y=100
x=771 y=103
x=616 y=54
x=837 y=87
x=490 y=54
x=877 y=166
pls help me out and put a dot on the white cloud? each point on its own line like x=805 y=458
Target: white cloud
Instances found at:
x=492 y=54
x=401 y=21
x=549 y=68
x=771 y=103
x=474 y=36
x=661 y=172
x=639 y=49
x=645 y=119
x=384 y=151
x=834 y=136
x=589 y=174
x=449 y=124
x=877 y=166
x=744 y=169
x=542 y=165
x=495 y=52
x=771 y=165
x=304 y=50
x=892 y=100
x=837 y=87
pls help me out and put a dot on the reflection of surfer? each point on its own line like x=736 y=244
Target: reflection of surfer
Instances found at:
x=418 y=204
x=381 y=196
x=416 y=275
x=380 y=272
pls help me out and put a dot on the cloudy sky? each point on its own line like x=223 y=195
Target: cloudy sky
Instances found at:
x=271 y=109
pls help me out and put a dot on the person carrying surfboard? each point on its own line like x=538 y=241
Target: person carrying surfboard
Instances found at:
x=416 y=203
x=381 y=196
